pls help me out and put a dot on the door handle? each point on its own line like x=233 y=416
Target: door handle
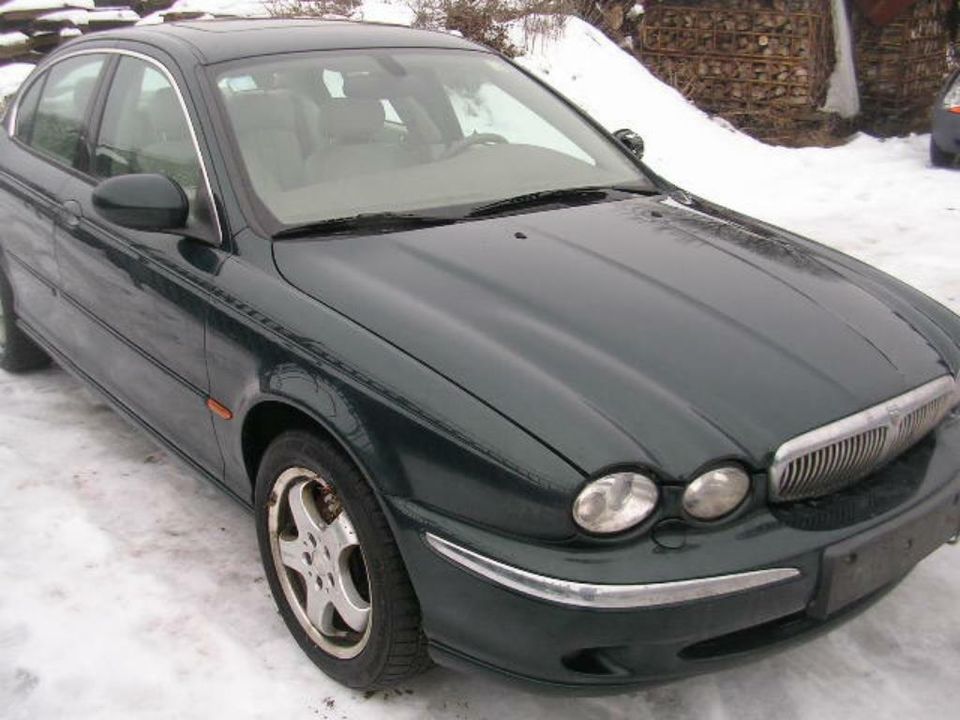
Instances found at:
x=70 y=214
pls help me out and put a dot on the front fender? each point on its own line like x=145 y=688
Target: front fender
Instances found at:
x=413 y=433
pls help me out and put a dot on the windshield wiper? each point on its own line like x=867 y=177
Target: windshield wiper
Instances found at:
x=572 y=196
x=387 y=221
x=377 y=222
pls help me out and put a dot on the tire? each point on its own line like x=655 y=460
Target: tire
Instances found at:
x=309 y=497
x=18 y=353
x=941 y=158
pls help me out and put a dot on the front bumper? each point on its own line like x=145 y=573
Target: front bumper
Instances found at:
x=474 y=620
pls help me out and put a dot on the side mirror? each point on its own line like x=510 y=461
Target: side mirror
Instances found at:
x=142 y=202
x=631 y=141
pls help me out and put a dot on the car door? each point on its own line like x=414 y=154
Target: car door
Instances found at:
x=38 y=156
x=135 y=302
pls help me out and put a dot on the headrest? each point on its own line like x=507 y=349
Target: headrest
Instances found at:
x=353 y=120
x=271 y=110
x=366 y=85
x=384 y=85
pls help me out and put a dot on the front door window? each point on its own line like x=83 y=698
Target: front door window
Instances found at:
x=145 y=130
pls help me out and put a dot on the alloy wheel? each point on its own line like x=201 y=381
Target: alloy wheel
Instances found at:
x=320 y=563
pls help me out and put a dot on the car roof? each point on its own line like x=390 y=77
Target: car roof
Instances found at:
x=220 y=40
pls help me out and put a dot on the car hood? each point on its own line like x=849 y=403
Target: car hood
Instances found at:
x=633 y=331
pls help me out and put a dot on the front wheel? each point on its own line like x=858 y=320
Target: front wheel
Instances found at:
x=941 y=158
x=333 y=567
x=18 y=353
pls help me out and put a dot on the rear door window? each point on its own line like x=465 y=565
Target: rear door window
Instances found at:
x=57 y=127
x=27 y=110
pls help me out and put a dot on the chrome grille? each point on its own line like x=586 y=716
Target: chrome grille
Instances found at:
x=918 y=423
x=837 y=455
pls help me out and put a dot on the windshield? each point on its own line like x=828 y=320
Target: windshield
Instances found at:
x=335 y=134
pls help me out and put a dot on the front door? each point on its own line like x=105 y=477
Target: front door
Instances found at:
x=136 y=302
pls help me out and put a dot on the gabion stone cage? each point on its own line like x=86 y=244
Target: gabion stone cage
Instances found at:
x=764 y=65
x=901 y=67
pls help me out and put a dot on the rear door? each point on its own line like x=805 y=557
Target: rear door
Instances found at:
x=136 y=302
x=38 y=156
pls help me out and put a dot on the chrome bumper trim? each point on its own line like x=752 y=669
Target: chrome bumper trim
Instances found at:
x=606 y=597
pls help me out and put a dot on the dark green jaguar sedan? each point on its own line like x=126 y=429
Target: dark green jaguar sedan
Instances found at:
x=498 y=395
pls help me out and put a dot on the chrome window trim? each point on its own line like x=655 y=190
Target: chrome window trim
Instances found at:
x=883 y=415
x=12 y=118
x=606 y=597
x=21 y=91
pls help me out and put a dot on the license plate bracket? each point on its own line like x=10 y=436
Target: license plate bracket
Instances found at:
x=854 y=568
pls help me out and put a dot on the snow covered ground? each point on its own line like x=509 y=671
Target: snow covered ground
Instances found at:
x=128 y=588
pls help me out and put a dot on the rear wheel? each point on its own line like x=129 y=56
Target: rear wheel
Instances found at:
x=18 y=353
x=940 y=157
x=333 y=566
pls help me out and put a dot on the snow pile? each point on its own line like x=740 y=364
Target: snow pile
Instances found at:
x=82 y=18
x=112 y=15
x=13 y=39
x=207 y=9
x=70 y=16
x=23 y=6
x=243 y=8
x=386 y=11
x=381 y=11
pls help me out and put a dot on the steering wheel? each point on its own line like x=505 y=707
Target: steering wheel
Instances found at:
x=471 y=140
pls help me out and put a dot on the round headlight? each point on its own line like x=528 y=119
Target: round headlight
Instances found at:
x=716 y=493
x=615 y=502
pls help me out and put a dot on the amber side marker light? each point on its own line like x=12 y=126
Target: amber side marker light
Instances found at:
x=955 y=109
x=219 y=409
